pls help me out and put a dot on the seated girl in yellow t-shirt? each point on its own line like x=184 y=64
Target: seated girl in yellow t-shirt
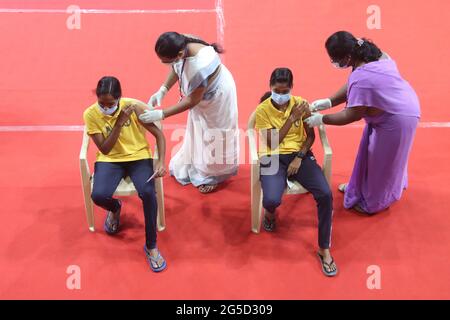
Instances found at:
x=112 y=123
x=285 y=152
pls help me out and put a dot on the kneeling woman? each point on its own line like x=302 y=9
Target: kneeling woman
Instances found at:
x=285 y=153
x=390 y=107
x=112 y=123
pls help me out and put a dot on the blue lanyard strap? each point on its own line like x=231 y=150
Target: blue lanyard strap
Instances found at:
x=181 y=73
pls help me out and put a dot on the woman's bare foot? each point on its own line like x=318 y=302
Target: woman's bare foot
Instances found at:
x=207 y=188
x=159 y=261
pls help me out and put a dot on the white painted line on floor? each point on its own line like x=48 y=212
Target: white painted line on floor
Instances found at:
x=110 y=11
x=62 y=128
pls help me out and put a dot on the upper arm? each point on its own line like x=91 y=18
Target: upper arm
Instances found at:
x=98 y=139
x=196 y=96
x=139 y=108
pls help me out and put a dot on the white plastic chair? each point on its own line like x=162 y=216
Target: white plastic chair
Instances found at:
x=256 y=191
x=125 y=188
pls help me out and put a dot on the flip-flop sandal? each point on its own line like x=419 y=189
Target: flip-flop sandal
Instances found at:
x=343 y=187
x=111 y=222
x=326 y=266
x=153 y=262
x=211 y=188
x=359 y=209
x=269 y=224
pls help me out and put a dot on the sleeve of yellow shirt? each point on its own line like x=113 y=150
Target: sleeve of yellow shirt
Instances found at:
x=262 y=119
x=91 y=125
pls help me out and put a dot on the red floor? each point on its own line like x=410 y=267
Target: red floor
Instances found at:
x=210 y=250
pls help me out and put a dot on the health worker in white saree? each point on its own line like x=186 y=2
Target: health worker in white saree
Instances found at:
x=210 y=150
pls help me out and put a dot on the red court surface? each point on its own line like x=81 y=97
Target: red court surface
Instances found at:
x=48 y=74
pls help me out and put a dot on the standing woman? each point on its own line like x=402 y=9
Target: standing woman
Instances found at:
x=209 y=153
x=389 y=105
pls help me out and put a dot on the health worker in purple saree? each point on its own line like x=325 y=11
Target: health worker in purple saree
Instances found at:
x=377 y=93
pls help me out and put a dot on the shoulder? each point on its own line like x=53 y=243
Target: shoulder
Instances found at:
x=127 y=101
x=91 y=112
x=264 y=106
x=359 y=78
x=298 y=99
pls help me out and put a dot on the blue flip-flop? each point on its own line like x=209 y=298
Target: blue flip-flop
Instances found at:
x=324 y=264
x=151 y=260
x=106 y=225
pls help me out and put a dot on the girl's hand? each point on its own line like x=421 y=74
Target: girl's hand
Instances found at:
x=299 y=110
x=294 y=166
x=124 y=115
x=160 y=169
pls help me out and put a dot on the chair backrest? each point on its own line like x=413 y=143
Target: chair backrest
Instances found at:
x=252 y=121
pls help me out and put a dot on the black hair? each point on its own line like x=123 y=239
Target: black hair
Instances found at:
x=279 y=75
x=343 y=43
x=169 y=44
x=109 y=85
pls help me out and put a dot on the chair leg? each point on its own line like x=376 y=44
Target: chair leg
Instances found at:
x=327 y=167
x=257 y=212
x=161 y=218
x=89 y=206
x=256 y=200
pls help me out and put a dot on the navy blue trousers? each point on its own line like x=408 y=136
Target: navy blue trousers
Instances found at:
x=310 y=176
x=106 y=179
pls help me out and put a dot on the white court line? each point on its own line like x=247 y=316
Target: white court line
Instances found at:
x=110 y=11
x=62 y=128
x=220 y=18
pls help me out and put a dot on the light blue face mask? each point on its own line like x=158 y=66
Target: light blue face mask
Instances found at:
x=108 y=111
x=281 y=99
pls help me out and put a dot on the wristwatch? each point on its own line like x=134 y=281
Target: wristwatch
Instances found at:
x=301 y=155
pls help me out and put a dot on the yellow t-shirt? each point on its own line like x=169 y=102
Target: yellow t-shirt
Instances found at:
x=269 y=117
x=131 y=145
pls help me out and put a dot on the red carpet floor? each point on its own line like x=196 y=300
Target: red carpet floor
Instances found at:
x=48 y=76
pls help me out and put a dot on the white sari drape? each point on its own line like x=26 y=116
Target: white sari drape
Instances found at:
x=210 y=149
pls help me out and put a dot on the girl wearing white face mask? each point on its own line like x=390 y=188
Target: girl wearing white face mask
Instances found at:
x=285 y=153
x=209 y=152
x=112 y=123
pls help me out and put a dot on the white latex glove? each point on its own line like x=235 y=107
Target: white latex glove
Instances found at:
x=150 y=116
x=315 y=120
x=157 y=98
x=320 y=105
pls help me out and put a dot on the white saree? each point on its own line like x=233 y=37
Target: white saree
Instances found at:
x=210 y=148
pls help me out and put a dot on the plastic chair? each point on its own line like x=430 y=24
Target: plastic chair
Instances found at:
x=256 y=191
x=125 y=188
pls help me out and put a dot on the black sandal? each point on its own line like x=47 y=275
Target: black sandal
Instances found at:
x=269 y=224
x=112 y=221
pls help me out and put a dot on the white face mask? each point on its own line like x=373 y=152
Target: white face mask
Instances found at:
x=108 y=111
x=280 y=99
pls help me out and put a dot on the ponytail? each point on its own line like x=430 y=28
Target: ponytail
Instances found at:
x=266 y=96
x=343 y=43
x=365 y=50
x=217 y=47
x=169 y=44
